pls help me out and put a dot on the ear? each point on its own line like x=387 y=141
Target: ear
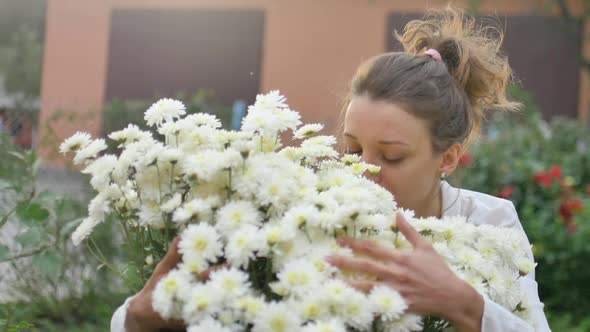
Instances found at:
x=450 y=159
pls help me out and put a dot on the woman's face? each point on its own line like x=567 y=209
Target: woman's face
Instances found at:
x=384 y=134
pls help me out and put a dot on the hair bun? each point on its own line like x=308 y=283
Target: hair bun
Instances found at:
x=471 y=53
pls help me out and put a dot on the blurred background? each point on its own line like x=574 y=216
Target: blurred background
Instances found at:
x=96 y=66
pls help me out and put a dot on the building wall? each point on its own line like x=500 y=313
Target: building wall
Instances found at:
x=310 y=50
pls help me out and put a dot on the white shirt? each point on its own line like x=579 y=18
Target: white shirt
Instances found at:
x=479 y=209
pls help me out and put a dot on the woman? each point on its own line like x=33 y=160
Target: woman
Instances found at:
x=413 y=114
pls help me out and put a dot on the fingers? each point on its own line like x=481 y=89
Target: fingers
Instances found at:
x=170 y=260
x=408 y=231
x=372 y=249
x=367 y=266
x=364 y=286
x=172 y=257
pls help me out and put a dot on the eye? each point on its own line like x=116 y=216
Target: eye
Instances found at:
x=393 y=161
x=357 y=152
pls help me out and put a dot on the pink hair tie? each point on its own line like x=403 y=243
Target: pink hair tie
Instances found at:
x=433 y=54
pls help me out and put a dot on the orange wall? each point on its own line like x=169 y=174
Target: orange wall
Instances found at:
x=329 y=38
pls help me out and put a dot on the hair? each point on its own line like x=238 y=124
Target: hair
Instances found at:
x=450 y=95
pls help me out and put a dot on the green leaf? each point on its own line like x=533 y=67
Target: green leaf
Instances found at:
x=48 y=264
x=4 y=251
x=132 y=278
x=30 y=237
x=32 y=212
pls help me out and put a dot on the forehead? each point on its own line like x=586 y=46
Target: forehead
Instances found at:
x=370 y=120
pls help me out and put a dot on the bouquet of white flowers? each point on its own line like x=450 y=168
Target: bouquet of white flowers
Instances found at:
x=271 y=215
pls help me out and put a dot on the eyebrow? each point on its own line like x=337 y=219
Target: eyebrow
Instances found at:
x=380 y=142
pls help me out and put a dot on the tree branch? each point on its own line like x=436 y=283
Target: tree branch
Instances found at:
x=24 y=254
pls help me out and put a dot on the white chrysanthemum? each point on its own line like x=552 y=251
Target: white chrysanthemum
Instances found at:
x=196 y=207
x=472 y=278
x=273 y=100
x=276 y=190
x=524 y=265
x=151 y=155
x=498 y=284
x=301 y=215
x=269 y=116
x=75 y=142
x=250 y=306
x=84 y=229
x=205 y=164
x=291 y=153
x=388 y=302
x=232 y=281
x=99 y=206
x=202 y=241
x=469 y=258
x=324 y=140
x=91 y=150
x=488 y=248
x=100 y=170
x=172 y=156
x=164 y=110
x=194 y=264
x=298 y=275
x=349 y=159
x=202 y=302
x=312 y=307
x=171 y=204
x=169 y=293
x=335 y=292
x=406 y=323
x=356 y=310
x=150 y=214
x=243 y=244
x=307 y=130
x=277 y=317
x=130 y=134
x=207 y=325
x=333 y=325
x=276 y=233
x=335 y=178
x=237 y=213
x=203 y=119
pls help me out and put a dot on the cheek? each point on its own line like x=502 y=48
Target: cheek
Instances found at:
x=409 y=184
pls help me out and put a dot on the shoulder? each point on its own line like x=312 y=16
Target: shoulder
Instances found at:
x=480 y=208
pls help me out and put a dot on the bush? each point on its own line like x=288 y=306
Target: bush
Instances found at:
x=544 y=169
x=45 y=280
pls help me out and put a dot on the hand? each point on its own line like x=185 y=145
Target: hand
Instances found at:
x=422 y=277
x=140 y=313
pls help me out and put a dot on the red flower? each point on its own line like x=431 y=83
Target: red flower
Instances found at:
x=543 y=178
x=546 y=178
x=575 y=205
x=466 y=159
x=567 y=210
x=506 y=192
x=555 y=172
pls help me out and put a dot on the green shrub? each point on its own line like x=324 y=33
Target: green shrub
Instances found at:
x=544 y=169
